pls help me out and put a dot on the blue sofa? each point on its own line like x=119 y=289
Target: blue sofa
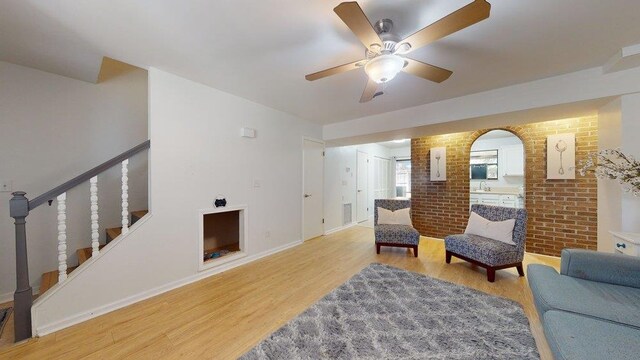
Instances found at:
x=591 y=309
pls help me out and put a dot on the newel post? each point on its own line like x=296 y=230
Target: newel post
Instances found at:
x=23 y=297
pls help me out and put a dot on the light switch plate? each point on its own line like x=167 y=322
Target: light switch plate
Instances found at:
x=5 y=186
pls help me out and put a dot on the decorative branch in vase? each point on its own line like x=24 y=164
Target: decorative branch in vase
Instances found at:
x=616 y=165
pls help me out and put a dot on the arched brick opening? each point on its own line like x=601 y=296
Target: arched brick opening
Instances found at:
x=562 y=213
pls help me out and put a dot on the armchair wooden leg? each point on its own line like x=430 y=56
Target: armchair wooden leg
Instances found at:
x=491 y=274
x=377 y=248
x=415 y=250
x=448 y=257
x=520 y=269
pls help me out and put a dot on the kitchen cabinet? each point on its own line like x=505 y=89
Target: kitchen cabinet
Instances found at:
x=513 y=160
x=506 y=200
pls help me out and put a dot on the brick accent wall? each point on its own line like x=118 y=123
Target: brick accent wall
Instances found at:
x=562 y=213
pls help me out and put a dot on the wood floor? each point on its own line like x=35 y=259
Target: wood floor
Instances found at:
x=225 y=315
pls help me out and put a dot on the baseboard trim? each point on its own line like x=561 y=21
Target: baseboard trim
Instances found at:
x=340 y=228
x=104 y=309
x=543 y=255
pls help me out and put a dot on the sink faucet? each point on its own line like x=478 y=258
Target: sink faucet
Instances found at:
x=485 y=185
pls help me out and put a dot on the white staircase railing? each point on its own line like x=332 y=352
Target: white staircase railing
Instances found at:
x=20 y=206
x=62 y=237
x=95 y=237
x=125 y=196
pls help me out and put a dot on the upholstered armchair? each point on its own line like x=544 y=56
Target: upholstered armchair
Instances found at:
x=393 y=234
x=488 y=253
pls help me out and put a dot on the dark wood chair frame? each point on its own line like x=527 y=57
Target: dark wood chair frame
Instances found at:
x=491 y=270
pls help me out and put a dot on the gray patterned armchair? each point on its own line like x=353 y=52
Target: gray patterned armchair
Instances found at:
x=488 y=253
x=391 y=234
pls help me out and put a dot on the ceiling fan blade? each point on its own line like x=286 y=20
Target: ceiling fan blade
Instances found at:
x=335 y=70
x=370 y=91
x=352 y=15
x=456 y=21
x=426 y=71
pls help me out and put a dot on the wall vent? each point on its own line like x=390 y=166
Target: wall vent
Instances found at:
x=346 y=214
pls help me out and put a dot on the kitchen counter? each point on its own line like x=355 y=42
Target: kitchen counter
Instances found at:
x=494 y=192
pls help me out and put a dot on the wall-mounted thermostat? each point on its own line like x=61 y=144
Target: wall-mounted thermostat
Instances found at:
x=248 y=132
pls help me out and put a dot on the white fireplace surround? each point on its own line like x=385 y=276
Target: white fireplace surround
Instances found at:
x=242 y=241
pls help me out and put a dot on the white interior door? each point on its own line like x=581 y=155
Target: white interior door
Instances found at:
x=313 y=164
x=362 y=187
x=381 y=178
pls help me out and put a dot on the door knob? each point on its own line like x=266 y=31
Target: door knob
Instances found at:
x=359 y=190
x=307 y=195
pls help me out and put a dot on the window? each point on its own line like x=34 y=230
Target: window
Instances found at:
x=403 y=178
x=484 y=165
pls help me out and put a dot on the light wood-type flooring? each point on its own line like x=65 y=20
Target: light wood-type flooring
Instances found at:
x=225 y=315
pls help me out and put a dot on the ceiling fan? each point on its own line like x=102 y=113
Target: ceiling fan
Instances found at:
x=384 y=54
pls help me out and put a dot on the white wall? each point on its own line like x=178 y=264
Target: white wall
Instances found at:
x=373 y=150
x=340 y=184
x=630 y=130
x=609 y=192
x=493 y=144
x=196 y=154
x=53 y=129
x=574 y=87
x=403 y=152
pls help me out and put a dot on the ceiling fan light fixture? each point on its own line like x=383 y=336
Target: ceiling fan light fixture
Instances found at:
x=384 y=68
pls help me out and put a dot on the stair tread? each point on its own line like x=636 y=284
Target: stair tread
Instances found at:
x=85 y=254
x=114 y=232
x=139 y=213
x=49 y=279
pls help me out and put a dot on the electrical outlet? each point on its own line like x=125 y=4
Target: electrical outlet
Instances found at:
x=5 y=186
x=256 y=183
x=267 y=234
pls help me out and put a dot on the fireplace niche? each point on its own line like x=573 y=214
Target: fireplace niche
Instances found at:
x=222 y=234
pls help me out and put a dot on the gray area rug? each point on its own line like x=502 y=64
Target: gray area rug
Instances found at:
x=388 y=313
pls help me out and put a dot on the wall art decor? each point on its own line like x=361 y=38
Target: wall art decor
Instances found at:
x=439 y=164
x=561 y=156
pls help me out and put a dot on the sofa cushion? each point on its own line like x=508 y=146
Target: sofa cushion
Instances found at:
x=572 y=336
x=487 y=251
x=552 y=291
x=396 y=234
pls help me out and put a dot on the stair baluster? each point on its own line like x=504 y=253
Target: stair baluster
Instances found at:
x=125 y=197
x=19 y=208
x=62 y=237
x=95 y=237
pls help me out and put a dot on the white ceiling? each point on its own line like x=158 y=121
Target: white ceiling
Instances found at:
x=396 y=144
x=261 y=50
